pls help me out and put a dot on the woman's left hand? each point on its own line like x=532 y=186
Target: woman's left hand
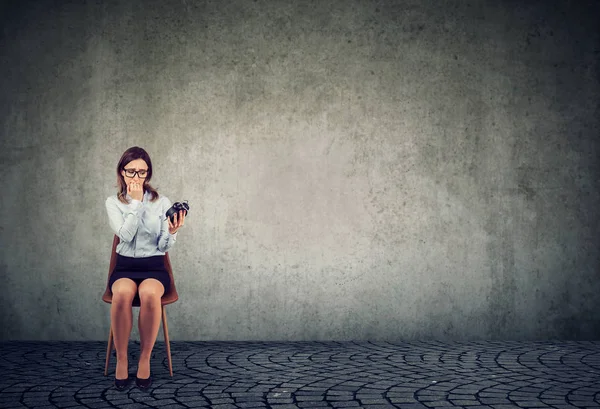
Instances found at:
x=177 y=222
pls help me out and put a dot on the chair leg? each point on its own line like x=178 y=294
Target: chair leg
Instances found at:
x=108 y=351
x=167 y=342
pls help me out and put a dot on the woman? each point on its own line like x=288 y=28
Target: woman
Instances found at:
x=137 y=215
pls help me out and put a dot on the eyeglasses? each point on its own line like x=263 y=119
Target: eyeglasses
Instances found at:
x=131 y=173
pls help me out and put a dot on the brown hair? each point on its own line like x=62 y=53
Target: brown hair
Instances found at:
x=133 y=153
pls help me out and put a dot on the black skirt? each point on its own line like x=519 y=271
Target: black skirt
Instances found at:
x=140 y=268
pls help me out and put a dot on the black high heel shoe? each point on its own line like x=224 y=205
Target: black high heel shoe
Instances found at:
x=142 y=383
x=121 y=384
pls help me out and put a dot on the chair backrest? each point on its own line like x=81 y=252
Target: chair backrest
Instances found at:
x=168 y=298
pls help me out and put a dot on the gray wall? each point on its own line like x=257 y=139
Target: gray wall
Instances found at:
x=355 y=169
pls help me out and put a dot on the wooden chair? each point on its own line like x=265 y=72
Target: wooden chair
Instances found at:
x=168 y=298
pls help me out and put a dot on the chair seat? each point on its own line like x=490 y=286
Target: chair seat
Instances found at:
x=165 y=300
x=168 y=298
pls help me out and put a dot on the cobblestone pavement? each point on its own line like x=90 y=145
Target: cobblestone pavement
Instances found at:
x=473 y=375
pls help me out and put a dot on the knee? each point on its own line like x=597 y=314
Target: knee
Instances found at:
x=121 y=297
x=150 y=295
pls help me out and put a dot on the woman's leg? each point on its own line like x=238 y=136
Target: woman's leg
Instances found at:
x=150 y=291
x=121 y=318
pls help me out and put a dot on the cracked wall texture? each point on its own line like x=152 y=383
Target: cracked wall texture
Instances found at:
x=368 y=170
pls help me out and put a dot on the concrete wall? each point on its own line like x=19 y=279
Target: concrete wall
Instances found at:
x=355 y=169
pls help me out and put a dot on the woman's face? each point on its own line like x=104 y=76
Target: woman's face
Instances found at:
x=135 y=165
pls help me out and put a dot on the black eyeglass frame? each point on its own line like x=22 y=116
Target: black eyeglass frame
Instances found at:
x=136 y=172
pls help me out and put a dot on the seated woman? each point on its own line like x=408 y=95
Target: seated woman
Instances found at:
x=137 y=215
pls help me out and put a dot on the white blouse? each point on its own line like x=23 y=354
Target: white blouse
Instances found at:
x=141 y=225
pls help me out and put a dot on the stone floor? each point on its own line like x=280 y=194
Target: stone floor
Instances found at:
x=472 y=375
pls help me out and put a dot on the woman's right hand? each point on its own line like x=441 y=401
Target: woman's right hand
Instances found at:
x=135 y=190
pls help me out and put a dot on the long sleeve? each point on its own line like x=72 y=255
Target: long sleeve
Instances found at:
x=124 y=225
x=166 y=240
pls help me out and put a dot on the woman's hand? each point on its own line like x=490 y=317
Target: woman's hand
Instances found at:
x=177 y=222
x=135 y=190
